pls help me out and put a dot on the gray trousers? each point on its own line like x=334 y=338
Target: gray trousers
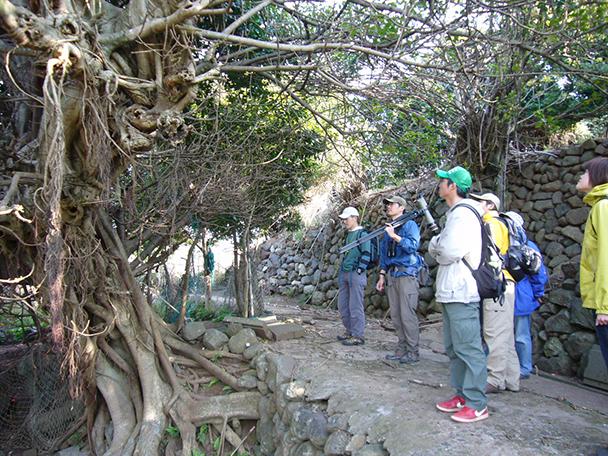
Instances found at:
x=462 y=340
x=402 y=295
x=350 y=301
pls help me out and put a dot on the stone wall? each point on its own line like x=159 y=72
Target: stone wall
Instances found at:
x=545 y=194
x=542 y=191
x=291 y=420
x=294 y=424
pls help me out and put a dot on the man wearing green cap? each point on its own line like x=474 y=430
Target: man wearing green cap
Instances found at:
x=456 y=290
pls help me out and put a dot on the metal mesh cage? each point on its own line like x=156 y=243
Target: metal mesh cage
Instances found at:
x=36 y=410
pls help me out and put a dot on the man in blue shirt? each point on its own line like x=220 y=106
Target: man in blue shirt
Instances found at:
x=352 y=280
x=399 y=266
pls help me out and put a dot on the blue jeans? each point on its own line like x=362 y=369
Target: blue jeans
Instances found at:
x=523 y=343
x=462 y=340
x=350 y=301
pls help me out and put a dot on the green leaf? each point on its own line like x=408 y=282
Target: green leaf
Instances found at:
x=203 y=432
x=216 y=443
x=172 y=431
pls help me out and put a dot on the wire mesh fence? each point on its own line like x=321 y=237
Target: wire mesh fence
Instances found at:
x=36 y=410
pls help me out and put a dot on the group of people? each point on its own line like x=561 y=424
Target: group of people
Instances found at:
x=488 y=341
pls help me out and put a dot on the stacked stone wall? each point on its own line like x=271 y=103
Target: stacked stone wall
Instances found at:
x=294 y=424
x=544 y=193
x=541 y=190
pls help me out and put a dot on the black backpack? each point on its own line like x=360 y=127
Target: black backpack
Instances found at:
x=521 y=260
x=491 y=282
x=374 y=249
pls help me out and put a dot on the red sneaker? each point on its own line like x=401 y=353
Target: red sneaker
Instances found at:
x=453 y=405
x=469 y=415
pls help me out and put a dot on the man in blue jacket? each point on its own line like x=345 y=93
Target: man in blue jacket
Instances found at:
x=399 y=266
x=528 y=291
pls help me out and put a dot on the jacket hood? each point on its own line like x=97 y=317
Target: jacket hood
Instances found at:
x=597 y=193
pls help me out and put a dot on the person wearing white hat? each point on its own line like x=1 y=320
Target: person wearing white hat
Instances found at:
x=528 y=293
x=352 y=280
x=497 y=315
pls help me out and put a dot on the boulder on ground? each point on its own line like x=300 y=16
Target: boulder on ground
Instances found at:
x=214 y=339
x=242 y=340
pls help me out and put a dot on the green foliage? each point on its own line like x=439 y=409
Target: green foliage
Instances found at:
x=172 y=431
x=202 y=313
x=17 y=326
x=227 y=389
x=217 y=442
x=269 y=138
x=400 y=140
x=203 y=434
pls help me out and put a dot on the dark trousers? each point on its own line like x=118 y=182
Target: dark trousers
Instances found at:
x=602 y=337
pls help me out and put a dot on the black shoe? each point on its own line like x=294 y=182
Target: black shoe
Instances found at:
x=409 y=358
x=394 y=357
x=353 y=341
x=342 y=337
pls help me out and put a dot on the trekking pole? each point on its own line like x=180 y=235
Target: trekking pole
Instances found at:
x=423 y=210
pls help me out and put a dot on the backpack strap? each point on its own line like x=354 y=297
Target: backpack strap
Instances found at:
x=367 y=265
x=362 y=232
x=484 y=237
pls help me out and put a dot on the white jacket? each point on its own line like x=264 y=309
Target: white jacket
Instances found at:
x=460 y=238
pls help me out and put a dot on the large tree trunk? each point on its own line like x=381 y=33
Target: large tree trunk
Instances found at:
x=96 y=119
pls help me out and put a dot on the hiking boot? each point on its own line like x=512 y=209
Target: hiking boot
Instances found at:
x=453 y=405
x=394 y=357
x=491 y=389
x=342 y=337
x=353 y=341
x=524 y=376
x=469 y=415
x=409 y=358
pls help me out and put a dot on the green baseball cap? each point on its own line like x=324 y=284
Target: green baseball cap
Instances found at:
x=460 y=176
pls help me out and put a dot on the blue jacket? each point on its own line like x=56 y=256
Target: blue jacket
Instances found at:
x=403 y=254
x=529 y=289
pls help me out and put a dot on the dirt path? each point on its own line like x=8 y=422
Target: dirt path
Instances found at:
x=394 y=405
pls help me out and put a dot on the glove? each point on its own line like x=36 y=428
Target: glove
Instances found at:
x=359 y=271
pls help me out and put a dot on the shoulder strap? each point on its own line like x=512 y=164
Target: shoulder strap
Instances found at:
x=473 y=210
x=362 y=232
x=486 y=239
x=483 y=238
x=509 y=223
